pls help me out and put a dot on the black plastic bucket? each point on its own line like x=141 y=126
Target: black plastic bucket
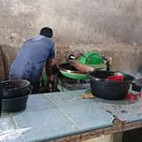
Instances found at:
x=14 y=104
x=14 y=95
x=15 y=88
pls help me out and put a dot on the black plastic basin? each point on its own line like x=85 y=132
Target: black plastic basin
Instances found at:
x=15 y=88
x=111 y=90
x=14 y=104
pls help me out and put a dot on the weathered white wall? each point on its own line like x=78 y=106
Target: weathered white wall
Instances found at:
x=83 y=24
x=76 y=21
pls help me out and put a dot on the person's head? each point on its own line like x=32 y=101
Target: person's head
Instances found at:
x=47 y=32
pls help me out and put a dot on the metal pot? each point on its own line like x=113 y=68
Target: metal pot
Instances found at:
x=93 y=60
x=111 y=90
x=70 y=72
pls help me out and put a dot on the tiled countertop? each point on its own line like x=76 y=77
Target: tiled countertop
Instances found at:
x=58 y=115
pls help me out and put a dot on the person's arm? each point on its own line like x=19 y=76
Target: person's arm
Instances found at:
x=80 y=67
x=49 y=65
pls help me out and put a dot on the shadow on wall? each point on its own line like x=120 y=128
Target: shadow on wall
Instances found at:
x=7 y=55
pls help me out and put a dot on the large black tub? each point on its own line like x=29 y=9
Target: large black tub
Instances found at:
x=15 y=88
x=14 y=94
x=14 y=104
x=103 y=85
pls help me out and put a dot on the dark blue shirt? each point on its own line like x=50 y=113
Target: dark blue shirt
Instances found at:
x=31 y=59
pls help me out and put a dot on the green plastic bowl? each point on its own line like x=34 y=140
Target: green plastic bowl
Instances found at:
x=77 y=76
x=91 y=59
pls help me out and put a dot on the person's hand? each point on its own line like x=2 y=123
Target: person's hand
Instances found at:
x=78 y=54
x=51 y=78
x=81 y=67
x=74 y=55
x=72 y=62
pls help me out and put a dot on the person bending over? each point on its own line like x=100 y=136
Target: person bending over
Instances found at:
x=35 y=54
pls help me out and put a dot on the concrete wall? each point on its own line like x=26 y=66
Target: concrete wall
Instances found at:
x=78 y=24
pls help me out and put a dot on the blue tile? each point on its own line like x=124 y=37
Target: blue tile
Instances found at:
x=69 y=98
x=8 y=132
x=38 y=102
x=125 y=110
x=45 y=125
x=88 y=117
x=54 y=115
x=84 y=112
x=6 y=123
x=15 y=140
